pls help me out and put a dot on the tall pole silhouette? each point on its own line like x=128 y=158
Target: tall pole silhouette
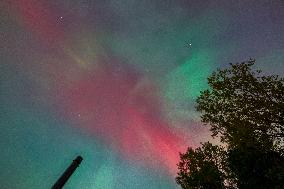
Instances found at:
x=67 y=174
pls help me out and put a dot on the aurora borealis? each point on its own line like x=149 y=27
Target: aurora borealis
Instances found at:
x=115 y=82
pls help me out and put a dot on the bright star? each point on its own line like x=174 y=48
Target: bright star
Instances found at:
x=188 y=44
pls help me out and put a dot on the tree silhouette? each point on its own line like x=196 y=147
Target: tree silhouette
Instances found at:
x=242 y=106
x=204 y=167
x=255 y=168
x=246 y=110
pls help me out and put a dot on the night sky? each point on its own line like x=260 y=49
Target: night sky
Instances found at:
x=116 y=82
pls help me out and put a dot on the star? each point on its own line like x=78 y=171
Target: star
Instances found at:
x=188 y=45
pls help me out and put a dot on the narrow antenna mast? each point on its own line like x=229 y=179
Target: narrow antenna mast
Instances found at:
x=67 y=174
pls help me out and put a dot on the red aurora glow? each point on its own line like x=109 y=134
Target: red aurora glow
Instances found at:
x=117 y=106
x=40 y=19
x=110 y=100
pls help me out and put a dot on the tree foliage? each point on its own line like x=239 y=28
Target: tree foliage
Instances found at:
x=246 y=110
x=203 y=167
x=255 y=168
x=242 y=106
